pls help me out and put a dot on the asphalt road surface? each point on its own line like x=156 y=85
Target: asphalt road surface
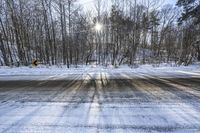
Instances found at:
x=100 y=102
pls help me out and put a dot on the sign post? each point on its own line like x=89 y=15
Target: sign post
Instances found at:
x=34 y=62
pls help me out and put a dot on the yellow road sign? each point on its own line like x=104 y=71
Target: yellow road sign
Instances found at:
x=34 y=62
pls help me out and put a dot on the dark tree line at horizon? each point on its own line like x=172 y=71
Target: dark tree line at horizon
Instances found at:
x=60 y=32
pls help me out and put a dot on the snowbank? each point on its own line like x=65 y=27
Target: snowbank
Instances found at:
x=52 y=70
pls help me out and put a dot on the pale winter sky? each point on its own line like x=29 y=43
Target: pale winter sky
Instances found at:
x=89 y=4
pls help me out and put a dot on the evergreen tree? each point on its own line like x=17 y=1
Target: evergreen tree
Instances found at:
x=191 y=9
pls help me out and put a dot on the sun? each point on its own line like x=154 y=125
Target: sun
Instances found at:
x=98 y=27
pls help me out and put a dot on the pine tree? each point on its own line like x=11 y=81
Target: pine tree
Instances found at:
x=191 y=9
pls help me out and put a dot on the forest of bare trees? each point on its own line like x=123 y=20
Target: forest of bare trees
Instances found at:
x=57 y=32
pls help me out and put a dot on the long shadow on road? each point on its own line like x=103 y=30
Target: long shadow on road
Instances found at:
x=93 y=94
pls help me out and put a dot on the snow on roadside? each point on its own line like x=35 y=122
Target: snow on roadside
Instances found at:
x=53 y=70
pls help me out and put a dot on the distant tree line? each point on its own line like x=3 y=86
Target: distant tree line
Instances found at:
x=60 y=32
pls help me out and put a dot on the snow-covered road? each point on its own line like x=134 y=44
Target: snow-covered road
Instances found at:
x=100 y=102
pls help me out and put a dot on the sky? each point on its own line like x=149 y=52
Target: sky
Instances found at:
x=89 y=4
x=173 y=2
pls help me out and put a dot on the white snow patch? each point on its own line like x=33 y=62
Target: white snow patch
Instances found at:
x=91 y=69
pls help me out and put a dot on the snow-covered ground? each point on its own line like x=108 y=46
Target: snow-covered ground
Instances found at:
x=52 y=70
x=101 y=105
x=95 y=99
